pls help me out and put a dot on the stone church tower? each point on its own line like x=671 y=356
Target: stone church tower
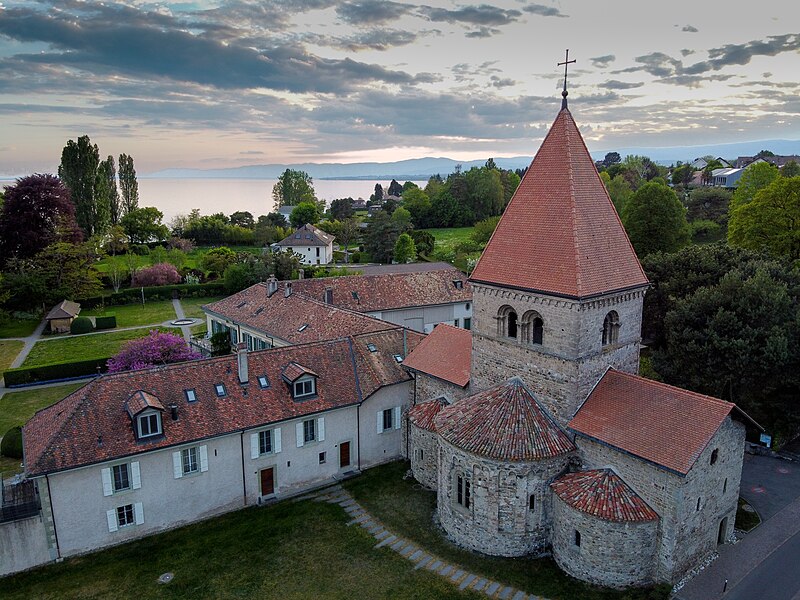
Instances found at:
x=558 y=291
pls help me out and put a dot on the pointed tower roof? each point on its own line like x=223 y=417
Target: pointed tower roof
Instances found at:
x=560 y=234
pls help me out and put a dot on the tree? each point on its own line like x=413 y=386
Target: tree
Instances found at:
x=408 y=185
x=620 y=192
x=292 y=188
x=78 y=171
x=37 y=212
x=275 y=219
x=402 y=218
x=106 y=196
x=378 y=195
x=484 y=229
x=790 y=169
x=156 y=349
x=395 y=189
x=342 y=208
x=611 y=158
x=771 y=221
x=144 y=225
x=655 y=220
x=755 y=177
x=709 y=204
x=682 y=175
x=380 y=237
x=424 y=242
x=348 y=230
x=217 y=260
x=303 y=214
x=404 y=250
x=764 y=154
x=243 y=219
x=159 y=274
x=109 y=171
x=129 y=187
x=416 y=202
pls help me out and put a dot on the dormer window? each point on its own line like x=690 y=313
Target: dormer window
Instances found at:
x=398 y=358
x=220 y=389
x=191 y=396
x=263 y=382
x=458 y=284
x=148 y=424
x=303 y=388
x=372 y=348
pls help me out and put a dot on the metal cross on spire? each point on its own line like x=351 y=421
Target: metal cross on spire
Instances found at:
x=566 y=64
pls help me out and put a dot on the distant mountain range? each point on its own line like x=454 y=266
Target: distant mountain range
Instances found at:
x=422 y=168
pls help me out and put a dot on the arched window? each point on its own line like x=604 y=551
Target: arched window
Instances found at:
x=507 y=322
x=611 y=328
x=512 y=324
x=532 y=328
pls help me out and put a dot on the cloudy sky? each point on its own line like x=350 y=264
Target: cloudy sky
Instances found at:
x=228 y=83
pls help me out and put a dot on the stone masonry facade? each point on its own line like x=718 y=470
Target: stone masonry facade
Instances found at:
x=429 y=388
x=425 y=447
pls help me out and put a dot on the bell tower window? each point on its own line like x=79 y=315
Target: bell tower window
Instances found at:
x=507 y=322
x=532 y=328
x=611 y=328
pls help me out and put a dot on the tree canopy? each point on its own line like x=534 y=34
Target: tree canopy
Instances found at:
x=755 y=177
x=304 y=213
x=655 y=220
x=144 y=225
x=128 y=185
x=292 y=188
x=404 y=250
x=157 y=348
x=78 y=170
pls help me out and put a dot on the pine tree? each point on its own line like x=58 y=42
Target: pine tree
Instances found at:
x=129 y=187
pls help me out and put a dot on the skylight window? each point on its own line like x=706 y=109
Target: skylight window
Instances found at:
x=241 y=304
x=372 y=348
x=220 y=389
x=302 y=327
x=258 y=311
x=263 y=382
x=355 y=295
x=458 y=283
x=190 y=395
x=398 y=358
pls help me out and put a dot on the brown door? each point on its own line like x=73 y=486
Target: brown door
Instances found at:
x=267 y=481
x=344 y=454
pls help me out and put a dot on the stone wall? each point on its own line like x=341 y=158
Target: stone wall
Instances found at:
x=428 y=388
x=610 y=554
x=571 y=359
x=499 y=521
x=423 y=455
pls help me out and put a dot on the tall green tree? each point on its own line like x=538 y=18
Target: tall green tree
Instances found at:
x=144 y=225
x=380 y=237
x=107 y=186
x=416 y=202
x=404 y=250
x=305 y=213
x=620 y=191
x=243 y=218
x=78 y=171
x=755 y=177
x=790 y=169
x=395 y=189
x=342 y=208
x=292 y=188
x=655 y=220
x=128 y=185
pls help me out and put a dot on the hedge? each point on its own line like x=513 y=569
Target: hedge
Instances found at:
x=81 y=325
x=161 y=292
x=108 y=322
x=78 y=368
x=11 y=445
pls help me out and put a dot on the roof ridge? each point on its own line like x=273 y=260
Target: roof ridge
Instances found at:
x=665 y=385
x=573 y=213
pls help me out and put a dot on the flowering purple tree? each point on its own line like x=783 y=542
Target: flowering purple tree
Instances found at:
x=156 y=349
x=158 y=274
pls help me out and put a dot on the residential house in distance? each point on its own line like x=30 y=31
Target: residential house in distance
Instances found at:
x=314 y=246
x=778 y=161
x=61 y=316
x=727 y=178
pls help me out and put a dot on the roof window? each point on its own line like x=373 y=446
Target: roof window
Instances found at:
x=191 y=396
x=263 y=382
x=355 y=295
x=302 y=327
x=241 y=304
x=458 y=284
x=298 y=236
x=372 y=348
x=220 y=389
x=398 y=358
x=258 y=311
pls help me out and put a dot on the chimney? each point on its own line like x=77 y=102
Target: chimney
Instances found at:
x=287 y=290
x=241 y=361
x=301 y=273
x=328 y=295
x=272 y=285
x=173 y=410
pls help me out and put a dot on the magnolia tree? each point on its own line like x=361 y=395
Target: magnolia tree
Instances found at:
x=154 y=350
x=158 y=274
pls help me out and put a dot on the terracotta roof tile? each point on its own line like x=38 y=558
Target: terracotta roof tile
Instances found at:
x=504 y=423
x=64 y=310
x=294 y=371
x=424 y=415
x=603 y=494
x=307 y=235
x=446 y=353
x=560 y=233
x=660 y=423
x=141 y=400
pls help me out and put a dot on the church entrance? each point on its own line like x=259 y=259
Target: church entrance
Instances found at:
x=723 y=528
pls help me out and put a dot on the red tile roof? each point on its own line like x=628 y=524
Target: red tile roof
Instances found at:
x=293 y=371
x=504 y=423
x=660 y=423
x=140 y=400
x=560 y=233
x=424 y=415
x=307 y=235
x=602 y=494
x=91 y=424
x=446 y=353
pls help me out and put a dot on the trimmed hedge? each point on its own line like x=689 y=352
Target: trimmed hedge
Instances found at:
x=81 y=325
x=78 y=368
x=11 y=446
x=161 y=292
x=107 y=322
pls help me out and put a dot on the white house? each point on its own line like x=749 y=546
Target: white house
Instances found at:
x=311 y=243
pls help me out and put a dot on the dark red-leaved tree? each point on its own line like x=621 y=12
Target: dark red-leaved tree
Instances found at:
x=37 y=213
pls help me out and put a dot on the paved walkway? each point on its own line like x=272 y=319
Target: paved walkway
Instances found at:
x=28 y=344
x=185 y=329
x=421 y=559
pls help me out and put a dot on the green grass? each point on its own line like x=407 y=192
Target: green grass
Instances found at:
x=745 y=519
x=153 y=312
x=406 y=508
x=287 y=551
x=83 y=347
x=17 y=407
x=193 y=258
x=18 y=328
x=8 y=352
x=191 y=307
x=448 y=239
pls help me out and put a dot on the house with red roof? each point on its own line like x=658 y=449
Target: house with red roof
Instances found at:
x=314 y=246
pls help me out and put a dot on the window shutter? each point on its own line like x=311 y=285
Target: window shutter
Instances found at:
x=298 y=431
x=136 y=475
x=203 y=459
x=396 y=417
x=254 y=447
x=177 y=467
x=111 y=515
x=108 y=489
x=321 y=429
x=138 y=511
x=380 y=421
x=276 y=440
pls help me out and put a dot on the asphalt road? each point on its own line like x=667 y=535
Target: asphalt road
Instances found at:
x=777 y=578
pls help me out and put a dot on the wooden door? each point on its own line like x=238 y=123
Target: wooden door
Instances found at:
x=344 y=454
x=267 y=481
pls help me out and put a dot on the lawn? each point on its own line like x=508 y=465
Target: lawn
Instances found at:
x=83 y=347
x=18 y=328
x=290 y=550
x=191 y=307
x=192 y=258
x=448 y=239
x=153 y=312
x=8 y=352
x=404 y=507
x=17 y=407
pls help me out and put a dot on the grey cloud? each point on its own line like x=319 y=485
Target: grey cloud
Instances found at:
x=372 y=12
x=690 y=29
x=544 y=11
x=692 y=80
x=482 y=14
x=482 y=32
x=614 y=84
x=379 y=39
x=602 y=62
x=501 y=82
x=687 y=52
x=251 y=152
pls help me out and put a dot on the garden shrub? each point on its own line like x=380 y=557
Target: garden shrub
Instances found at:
x=78 y=368
x=164 y=292
x=81 y=325
x=355 y=257
x=107 y=322
x=11 y=446
x=158 y=274
x=141 y=249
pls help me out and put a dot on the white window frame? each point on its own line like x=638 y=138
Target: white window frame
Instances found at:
x=319 y=431
x=395 y=419
x=148 y=415
x=189 y=461
x=201 y=453
x=109 y=481
x=113 y=514
x=302 y=393
x=191 y=395
x=255 y=442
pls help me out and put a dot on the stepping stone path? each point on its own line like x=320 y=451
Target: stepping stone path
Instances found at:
x=413 y=553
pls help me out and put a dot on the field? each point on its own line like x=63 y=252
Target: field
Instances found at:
x=191 y=307
x=18 y=328
x=83 y=347
x=153 y=312
x=8 y=352
x=448 y=239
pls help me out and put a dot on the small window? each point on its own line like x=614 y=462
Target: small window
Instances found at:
x=309 y=430
x=265 y=442
x=714 y=455
x=455 y=322
x=532 y=502
x=398 y=358
x=463 y=491
x=258 y=310
x=388 y=421
x=125 y=515
x=121 y=478
x=421 y=454
x=317 y=251
x=191 y=396
x=304 y=387
x=577 y=538
x=241 y=304
x=697 y=509
x=322 y=458
x=189 y=461
x=263 y=382
x=725 y=486
x=149 y=425
x=458 y=284
x=467 y=323
x=354 y=295
x=220 y=389
x=372 y=348
x=610 y=328
x=302 y=327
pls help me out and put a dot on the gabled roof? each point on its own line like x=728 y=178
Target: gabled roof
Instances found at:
x=446 y=354
x=91 y=425
x=560 y=234
x=424 y=415
x=603 y=494
x=66 y=309
x=503 y=423
x=141 y=400
x=665 y=425
x=307 y=235
x=294 y=371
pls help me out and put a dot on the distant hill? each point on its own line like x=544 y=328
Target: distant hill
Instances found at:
x=422 y=168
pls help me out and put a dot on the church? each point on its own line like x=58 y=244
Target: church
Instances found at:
x=556 y=444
